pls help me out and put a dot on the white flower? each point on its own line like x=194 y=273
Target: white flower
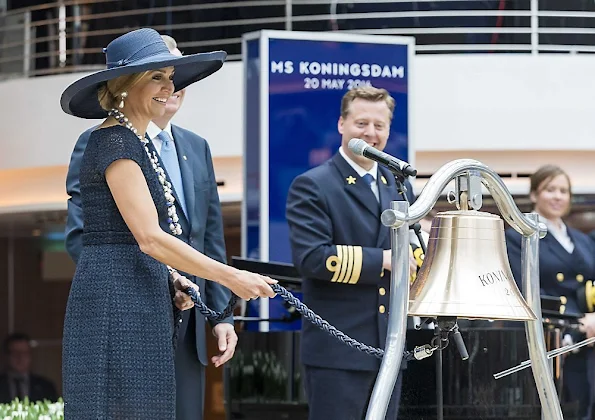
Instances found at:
x=20 y=412
x=40 y=411
x=56 y=408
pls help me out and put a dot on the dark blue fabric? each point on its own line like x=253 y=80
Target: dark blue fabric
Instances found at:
x=74 y=221
x=118 y=355
x=578 y=378
x=330 y=206
x=204 y=232
x=344 y=394
x=562 y=274
x=368 y=178
x=135 y=52
x=40 y=389
x=190 y=373
x=554 y=260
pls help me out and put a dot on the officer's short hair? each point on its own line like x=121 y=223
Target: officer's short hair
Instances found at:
x=367 y=93
x=13 y=338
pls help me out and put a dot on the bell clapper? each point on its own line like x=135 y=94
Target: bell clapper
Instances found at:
x=444 y=326
x=463 y=203
x=467 y=194
x=458 y=338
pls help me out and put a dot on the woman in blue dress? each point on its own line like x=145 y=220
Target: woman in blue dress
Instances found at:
x=119 y=332
x=566 y=263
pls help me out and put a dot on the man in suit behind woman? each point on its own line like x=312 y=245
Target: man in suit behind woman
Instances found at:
x=191 y=170
x=18 y=381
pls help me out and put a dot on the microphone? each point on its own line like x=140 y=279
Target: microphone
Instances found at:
x=397 y=166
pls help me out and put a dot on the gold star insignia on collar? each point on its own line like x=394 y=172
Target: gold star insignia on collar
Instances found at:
x=383 y=179
x=350 y=180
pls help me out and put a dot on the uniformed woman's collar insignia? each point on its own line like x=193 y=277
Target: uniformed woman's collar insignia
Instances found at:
x=383 y=179
x=350 y=180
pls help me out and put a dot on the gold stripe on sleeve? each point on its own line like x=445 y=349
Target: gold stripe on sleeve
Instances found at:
x=343 y=262
x=358 y=260
x=349 y=264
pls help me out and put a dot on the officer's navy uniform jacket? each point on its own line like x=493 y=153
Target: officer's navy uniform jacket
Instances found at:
x=562 y=274
x=337 y=242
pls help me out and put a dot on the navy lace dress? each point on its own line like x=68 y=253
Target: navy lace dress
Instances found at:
x=118 y=352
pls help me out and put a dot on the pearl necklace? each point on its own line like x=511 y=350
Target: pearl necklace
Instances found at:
x=172 y=219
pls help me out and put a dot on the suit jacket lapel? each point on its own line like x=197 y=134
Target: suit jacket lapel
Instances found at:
x=558 y=250
x=179 y=208
x=186 y=168
x=579 y=258
x=4 y=388
x=356 y=186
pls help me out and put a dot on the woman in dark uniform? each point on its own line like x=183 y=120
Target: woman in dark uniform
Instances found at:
x=566 y=263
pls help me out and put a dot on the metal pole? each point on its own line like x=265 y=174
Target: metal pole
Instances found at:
x=439 y=384
x=227 y=402
x=168 y=17
x=11 y=282
x=26 y=43
x=552 y=354
x=77 y=44
x=544 y=381
x=534 y=26
x=288 y=15
x=62 y=34
x=397 y=319
x=551 y=367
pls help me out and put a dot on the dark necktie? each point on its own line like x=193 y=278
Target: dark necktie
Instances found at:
x=18 y=387
x=370 y=180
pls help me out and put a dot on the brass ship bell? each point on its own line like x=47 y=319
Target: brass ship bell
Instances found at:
x=465 y=273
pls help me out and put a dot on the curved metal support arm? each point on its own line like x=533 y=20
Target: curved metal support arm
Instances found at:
x=397 y=320
x=399 y=217
x=550 y=405
x=441 y=178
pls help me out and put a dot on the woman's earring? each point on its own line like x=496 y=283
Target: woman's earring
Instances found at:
x=123 y=95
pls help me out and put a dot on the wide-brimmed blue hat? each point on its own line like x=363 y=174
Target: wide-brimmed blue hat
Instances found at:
x=135 y=52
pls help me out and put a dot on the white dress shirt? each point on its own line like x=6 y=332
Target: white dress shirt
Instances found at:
x=153 y=131
x=361 y=172
x=560 y=233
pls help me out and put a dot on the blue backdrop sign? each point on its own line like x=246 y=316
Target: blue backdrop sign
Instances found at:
x=294 y=82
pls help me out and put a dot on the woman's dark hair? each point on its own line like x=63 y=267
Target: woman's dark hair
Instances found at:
x=546 y=173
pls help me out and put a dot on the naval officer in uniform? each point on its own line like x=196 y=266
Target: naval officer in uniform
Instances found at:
x=342 y=252
x=566 y=264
